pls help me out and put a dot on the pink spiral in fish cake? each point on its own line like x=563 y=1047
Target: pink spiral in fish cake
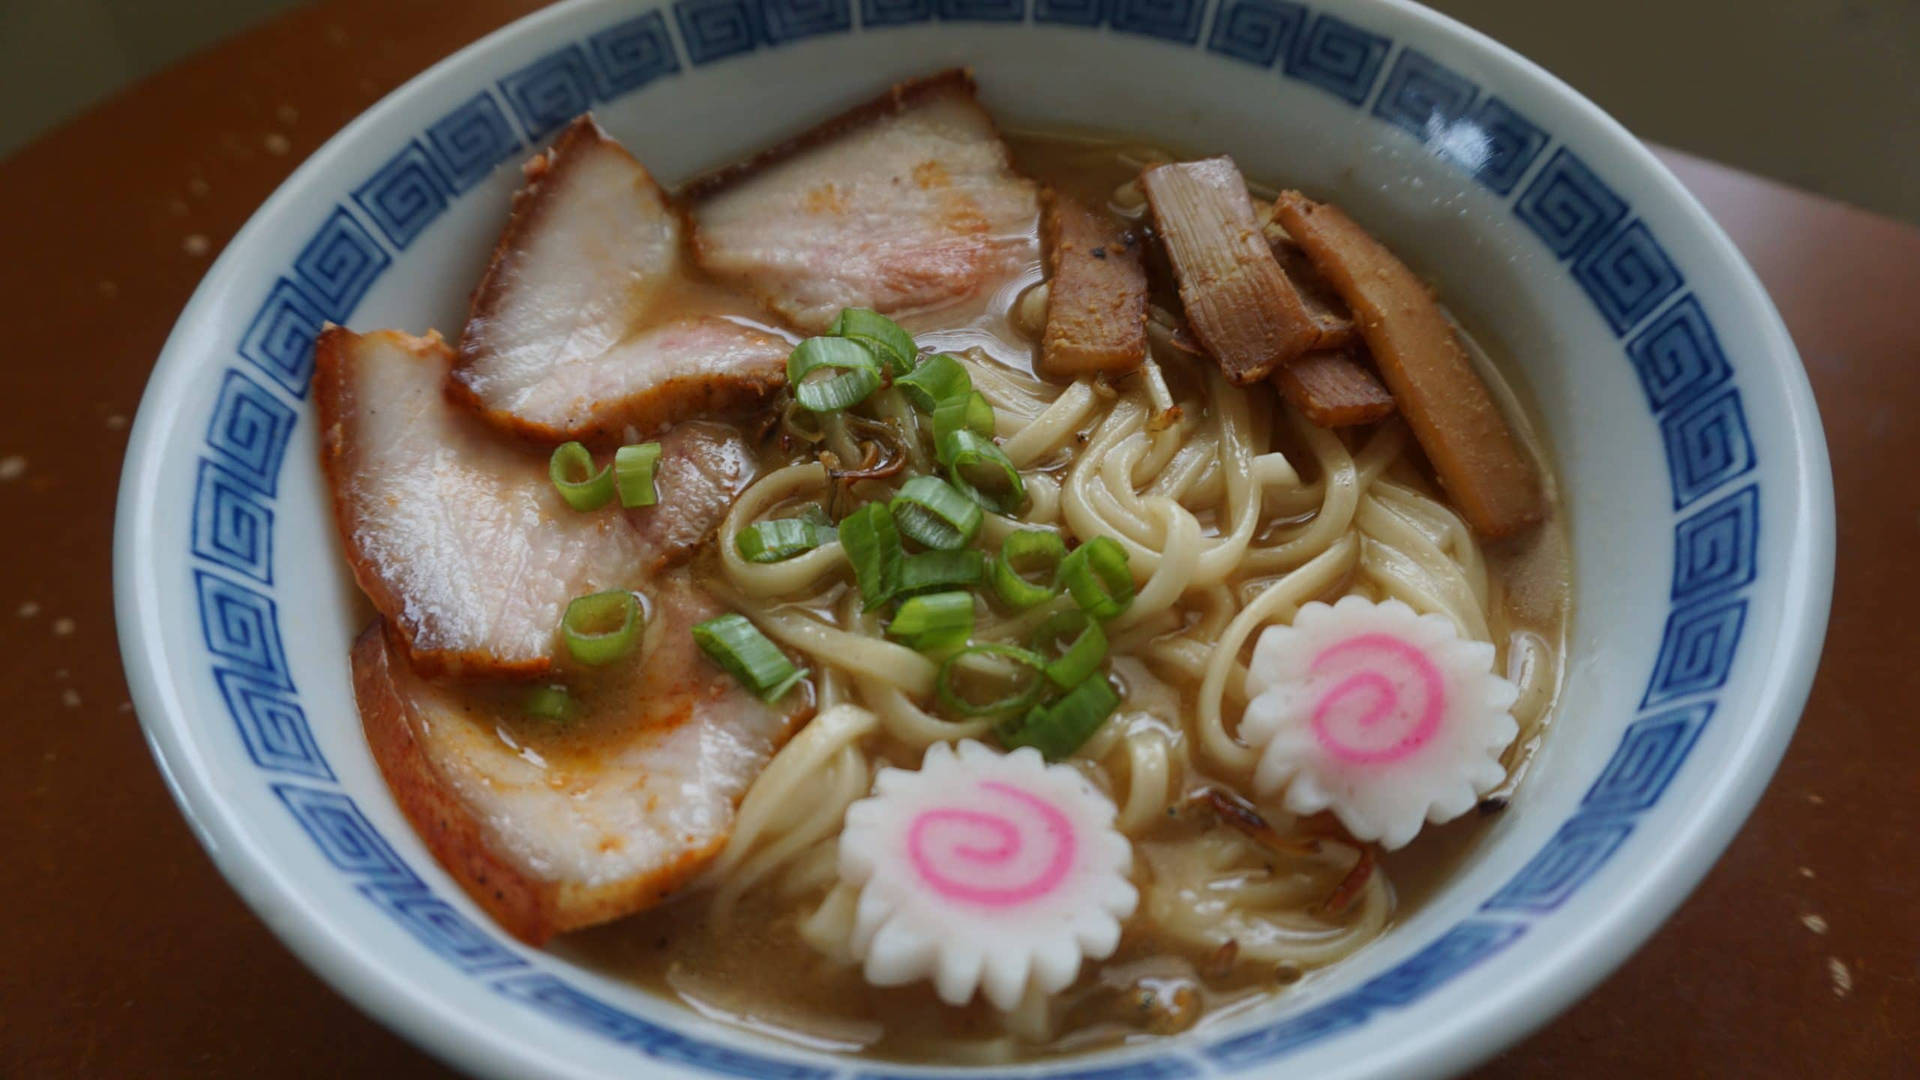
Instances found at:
x=1387 y=717
x=983 y=872
x=1378 y=698
x=1012 y=854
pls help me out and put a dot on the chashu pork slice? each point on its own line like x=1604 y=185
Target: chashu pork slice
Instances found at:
x=579 y=834
x=585 y=323
x=457 y=534
x=906 y=204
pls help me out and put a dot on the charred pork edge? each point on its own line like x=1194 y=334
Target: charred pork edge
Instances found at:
x=531 y=909
x=728 y=392
x=530 y=203
x=725 y=394
x=528 y=208
x=525 y=908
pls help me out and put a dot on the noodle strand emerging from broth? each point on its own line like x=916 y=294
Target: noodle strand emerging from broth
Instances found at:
x=797 y=803
x=1233 y=511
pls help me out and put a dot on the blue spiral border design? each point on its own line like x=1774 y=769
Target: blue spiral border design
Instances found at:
x=1613 y=256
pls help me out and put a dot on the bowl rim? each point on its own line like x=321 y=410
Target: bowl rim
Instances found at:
x=1474 y=1031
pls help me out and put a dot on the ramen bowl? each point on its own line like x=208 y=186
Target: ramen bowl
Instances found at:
x=1692 y=469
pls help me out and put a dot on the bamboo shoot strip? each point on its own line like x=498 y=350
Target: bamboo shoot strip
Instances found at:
x=1332 y=388
x=1097 y=296
x=1241 y=305
x=1328 y=313
x=1472 y=447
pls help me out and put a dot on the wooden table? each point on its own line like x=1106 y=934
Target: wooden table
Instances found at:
x=127 y=955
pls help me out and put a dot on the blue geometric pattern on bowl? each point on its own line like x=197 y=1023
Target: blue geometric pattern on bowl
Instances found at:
x=1616 y=260
x=469 y=141
x=405 y=195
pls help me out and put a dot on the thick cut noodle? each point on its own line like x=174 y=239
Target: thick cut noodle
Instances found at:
x=1234 y=510
x=1152 y=569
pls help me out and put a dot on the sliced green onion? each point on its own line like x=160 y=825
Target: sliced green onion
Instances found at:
x=964 y=450
x=1081 y=657
x=1012 y=703
x=550 y=703
x=929 y=511
x=1057 y=730
x=979 y=414
x=938 y=378
x=592 y=490
x=931 y=570
x=745 y=653
x=1027 y=546
x=934 y=622
x=633 y=473
x=859 y=373
x=969 y=411
x=873 y=546
x=817 y=516
x=1096 y=574
x=602 y=627
x=879 y=333
x=776 y=540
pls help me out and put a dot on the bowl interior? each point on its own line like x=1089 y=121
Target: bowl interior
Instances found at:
x=1690 y=460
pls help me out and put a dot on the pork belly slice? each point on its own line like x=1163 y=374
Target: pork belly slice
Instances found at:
x=611 y=825
x=1239 y=302
x=1096 y=292
x=457 y=535
x=1333 y=388
x=906 y=204
x=703 y=467
x=1453 y=415
x=577 y=329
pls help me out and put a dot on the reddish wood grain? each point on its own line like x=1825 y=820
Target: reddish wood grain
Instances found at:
x=132 y=957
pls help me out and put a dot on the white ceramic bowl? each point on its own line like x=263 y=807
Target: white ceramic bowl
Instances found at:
x=1694 y=471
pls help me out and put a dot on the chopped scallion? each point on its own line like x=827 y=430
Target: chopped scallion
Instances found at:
x=1057 y=730
x=1029 y=675
x=817 y=515
x=602 y=627
x=969 y=411
x=879 y=333
x=1021 y=550
x=938 y=378
x=745 y=653
x=633 y=473
x=550 y=703
x=931 y=570
x=571 y=470
x=777 y=540
x=873 y=546
x=967 y=453
x=1095 y=573
x=929 y=511
x=934 y=622
x=858 y=373
x=1070 y=666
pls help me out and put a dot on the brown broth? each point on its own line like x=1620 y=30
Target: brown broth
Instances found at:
x=759 y=973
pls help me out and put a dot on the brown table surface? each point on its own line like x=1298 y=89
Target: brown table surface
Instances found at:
x=126 y=954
